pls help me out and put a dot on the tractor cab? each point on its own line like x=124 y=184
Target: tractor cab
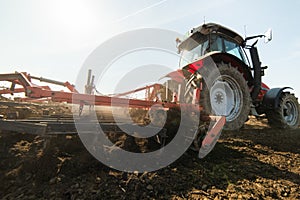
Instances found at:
x=203 y=40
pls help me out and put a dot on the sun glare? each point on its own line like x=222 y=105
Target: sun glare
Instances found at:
x=78 y=18
x=75 y=16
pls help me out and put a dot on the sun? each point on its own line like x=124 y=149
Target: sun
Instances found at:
x=78 y=18
x=75 y=16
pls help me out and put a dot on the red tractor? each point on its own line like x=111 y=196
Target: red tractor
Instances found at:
x=215 y=63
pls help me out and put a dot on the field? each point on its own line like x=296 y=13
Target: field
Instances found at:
x=256 y=162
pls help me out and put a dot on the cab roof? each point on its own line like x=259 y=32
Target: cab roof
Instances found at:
x=206 y=29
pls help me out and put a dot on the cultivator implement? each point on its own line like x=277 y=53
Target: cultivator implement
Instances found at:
x=22 y=83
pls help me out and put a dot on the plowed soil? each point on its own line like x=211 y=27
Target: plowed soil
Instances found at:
x=256 y=162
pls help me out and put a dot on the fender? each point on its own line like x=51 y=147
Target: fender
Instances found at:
x=272 y=97
x=217 y=56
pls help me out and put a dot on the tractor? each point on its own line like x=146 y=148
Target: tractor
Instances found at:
x=225 y=82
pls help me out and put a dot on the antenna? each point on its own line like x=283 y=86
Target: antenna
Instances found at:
x=245 y=30
x=204 y=20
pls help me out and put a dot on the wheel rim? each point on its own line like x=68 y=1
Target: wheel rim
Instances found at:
x=226 y=98
x=290 y=113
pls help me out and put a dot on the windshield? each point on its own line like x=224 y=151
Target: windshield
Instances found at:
x=192 y=49
x=199 y=45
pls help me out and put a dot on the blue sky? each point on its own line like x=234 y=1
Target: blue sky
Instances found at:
x=53 y=38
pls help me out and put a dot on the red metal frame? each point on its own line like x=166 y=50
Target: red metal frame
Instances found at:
x=35 y=92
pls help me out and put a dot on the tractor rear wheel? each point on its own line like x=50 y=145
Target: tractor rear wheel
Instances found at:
x=225 y=92
x=286 y=115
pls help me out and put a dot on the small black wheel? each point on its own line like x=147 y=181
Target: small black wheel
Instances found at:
x=286 y=115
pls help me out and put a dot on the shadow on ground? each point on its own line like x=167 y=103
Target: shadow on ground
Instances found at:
x=248 y=164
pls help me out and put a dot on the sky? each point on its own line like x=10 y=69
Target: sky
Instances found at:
x=53 y=38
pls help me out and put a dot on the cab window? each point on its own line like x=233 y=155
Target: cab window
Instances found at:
x=216 y=43
x=234 y=49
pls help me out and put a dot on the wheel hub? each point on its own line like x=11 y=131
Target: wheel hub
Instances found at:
x=226 y=98
x=290 y=112
x=219 y=98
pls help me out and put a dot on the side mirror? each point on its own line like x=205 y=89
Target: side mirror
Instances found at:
x=268 y=35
